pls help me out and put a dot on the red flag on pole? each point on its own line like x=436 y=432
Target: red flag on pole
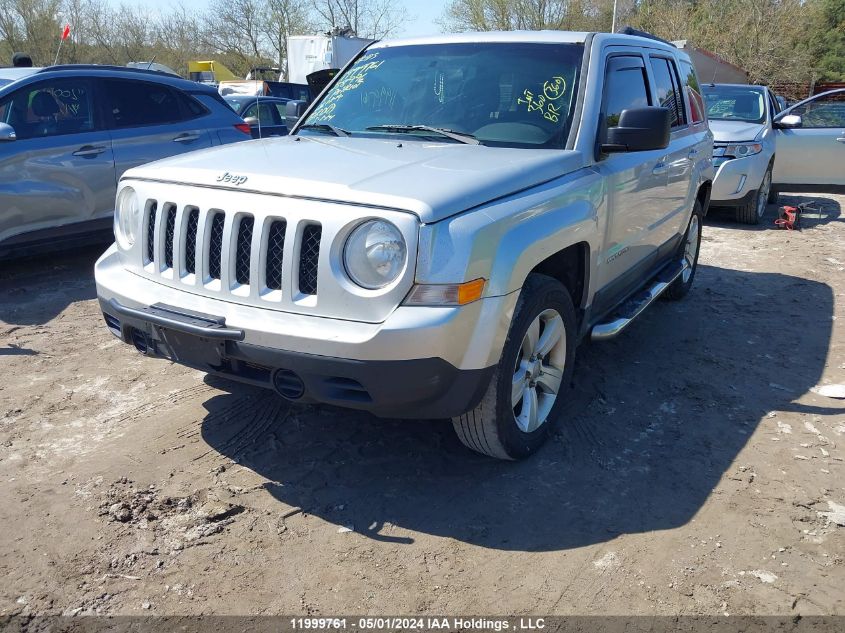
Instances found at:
x=66 y=32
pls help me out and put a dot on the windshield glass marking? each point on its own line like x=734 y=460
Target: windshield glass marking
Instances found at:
x=506 y=95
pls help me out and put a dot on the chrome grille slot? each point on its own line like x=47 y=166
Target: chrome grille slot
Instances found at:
x=243 y=249
x=191 y=241
x=275 y=254
x=215 y=245
x=151 y=229
x=309 y=255
x=169 y=233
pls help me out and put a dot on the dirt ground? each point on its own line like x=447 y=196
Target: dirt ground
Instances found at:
x=695 y=471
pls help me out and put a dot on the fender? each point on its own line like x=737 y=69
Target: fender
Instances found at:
x=504 y=241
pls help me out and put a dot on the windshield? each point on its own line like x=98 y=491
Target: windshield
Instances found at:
x=510 y=95
x=735 y=103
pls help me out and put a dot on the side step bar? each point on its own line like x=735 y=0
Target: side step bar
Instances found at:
x=635 y=306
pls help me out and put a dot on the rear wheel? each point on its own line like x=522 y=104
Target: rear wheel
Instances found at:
x=689 y=254
x=524 y=398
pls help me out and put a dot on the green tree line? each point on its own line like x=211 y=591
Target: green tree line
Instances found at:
x=776 y=41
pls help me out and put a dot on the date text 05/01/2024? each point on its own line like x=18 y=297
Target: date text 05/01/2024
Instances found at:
x=418 y=623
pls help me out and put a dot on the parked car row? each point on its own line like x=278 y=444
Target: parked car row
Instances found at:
x=67 y=134
x=760 y=148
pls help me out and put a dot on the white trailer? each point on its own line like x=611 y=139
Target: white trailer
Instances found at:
x=310 y=53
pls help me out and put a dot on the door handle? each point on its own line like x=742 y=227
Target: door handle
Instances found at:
x=841 y=139
x=660 y=169
x=186 y=137
x=89 y=150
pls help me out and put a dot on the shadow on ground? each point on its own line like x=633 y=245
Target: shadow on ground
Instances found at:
x=655 y=419
x=821 y=211
x=36 y=289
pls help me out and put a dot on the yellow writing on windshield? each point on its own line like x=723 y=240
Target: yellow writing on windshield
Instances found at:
x=543 y=103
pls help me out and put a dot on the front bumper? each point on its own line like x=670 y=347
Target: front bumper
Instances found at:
x=420 y=363
x=738 y=179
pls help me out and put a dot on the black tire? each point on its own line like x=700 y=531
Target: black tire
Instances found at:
x=750 y=213
x=491 y=428
x=681 y=286
x=773 y=195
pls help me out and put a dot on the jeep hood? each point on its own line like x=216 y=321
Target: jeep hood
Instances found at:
x=433 y=180
x=734 y=131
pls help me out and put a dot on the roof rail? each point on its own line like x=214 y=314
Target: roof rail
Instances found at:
x=144 y=71
x=630 y=30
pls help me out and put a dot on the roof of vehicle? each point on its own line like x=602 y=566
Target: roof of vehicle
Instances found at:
x=126 y=73
x=254 y=98
x=514 y=37
x=13 y=74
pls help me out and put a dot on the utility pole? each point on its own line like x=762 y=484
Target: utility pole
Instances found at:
x=613 y=25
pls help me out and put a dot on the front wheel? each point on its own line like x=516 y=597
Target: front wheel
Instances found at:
x=524 y=398
x=753 y=212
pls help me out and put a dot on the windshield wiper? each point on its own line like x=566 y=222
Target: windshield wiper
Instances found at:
x=325 y=127
x=462 y=137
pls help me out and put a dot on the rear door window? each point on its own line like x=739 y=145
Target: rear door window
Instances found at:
x=626 y=87
x=690 y=82
x=51 y=108
x=667 y=90
x=142 y=103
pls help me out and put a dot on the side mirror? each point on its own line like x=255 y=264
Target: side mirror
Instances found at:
x=293 y=111
x=7 y=132
x=251 y=120
x=639 y=130
x=788 y=121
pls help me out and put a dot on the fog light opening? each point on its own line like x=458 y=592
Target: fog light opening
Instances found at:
x=139 y=340
x=288 y=385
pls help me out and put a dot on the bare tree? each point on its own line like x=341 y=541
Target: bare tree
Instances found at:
x=366 y=18
x=281 y=19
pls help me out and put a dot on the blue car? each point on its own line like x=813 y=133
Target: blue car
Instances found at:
x=67 y=134
x=269 y=112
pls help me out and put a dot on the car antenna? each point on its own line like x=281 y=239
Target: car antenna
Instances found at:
x=258 y=113
x=150 y=65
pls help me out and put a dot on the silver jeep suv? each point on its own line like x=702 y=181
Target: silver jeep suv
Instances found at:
x=444 y=225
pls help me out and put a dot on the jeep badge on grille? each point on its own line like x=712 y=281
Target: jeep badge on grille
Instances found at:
x=232 y=178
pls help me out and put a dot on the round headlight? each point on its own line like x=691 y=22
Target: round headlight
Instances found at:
x=374 y=255
x=127 y=221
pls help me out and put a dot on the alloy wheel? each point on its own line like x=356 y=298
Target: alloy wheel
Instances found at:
x=539 y=371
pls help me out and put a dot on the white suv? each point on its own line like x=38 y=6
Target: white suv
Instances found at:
x=743 y=148
x=442 y=227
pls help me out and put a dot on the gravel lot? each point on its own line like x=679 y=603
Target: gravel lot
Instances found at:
x=696 y=470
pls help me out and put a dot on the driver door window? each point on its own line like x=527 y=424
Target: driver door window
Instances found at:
x=824 y=112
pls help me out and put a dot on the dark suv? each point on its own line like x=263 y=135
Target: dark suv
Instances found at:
x=67 y=134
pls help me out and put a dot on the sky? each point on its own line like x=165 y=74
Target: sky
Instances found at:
x=424 y=12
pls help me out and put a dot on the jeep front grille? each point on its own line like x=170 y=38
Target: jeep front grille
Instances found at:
x=151 y=225
x=169 y=234
x=243 y=250
x=275 y=254
x=191 y=241
x=207 y=245
x=309 y=254
x=215 y=245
